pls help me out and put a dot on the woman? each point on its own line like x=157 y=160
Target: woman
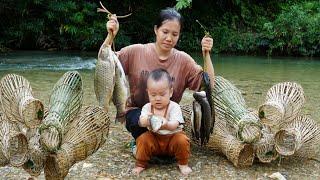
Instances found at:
x=140 y=59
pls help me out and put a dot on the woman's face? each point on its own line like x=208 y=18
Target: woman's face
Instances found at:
x=167 y=35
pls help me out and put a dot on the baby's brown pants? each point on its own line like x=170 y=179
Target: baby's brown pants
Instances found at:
x=151 y=144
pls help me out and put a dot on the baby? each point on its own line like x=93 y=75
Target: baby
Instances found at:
x=168 y=139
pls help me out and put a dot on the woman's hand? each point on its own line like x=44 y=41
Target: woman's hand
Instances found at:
x=113 y=25
x=206 y=43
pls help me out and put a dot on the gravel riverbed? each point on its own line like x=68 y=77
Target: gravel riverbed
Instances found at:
x=114 y=161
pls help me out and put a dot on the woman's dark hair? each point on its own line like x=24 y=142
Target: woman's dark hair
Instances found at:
x=159 y=74
x=168 y=14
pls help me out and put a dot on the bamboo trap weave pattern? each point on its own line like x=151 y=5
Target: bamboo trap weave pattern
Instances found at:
x=14 y=144
x=265 y=148
x=65 y=102
x=230 y=106
x=35 y=163
x=84 y=136
x=301 y=138
x=18 y=102
x=3 y=145
x=188 y=116
x=239 y=153
x=283 y=103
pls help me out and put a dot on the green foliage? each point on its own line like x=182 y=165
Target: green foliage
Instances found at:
x=296 y=30
x=182 y=4
x=273 y=27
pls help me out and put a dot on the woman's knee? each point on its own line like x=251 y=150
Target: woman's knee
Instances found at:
x=132 y=118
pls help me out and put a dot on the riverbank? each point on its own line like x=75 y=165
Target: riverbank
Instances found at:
x=114 y=161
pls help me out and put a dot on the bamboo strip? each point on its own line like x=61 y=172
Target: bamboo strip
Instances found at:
x=3 y=145
x=35 y=163
x=301 y=138
x=84 y=136
x=65 y=102
x=13 y=144
x=187 y=113
x=230 y=106
x=239 y=153
x=283 y=103
x=17 y=101
x=265 y=148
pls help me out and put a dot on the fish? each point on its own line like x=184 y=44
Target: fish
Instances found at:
x=208 y=90
x=121 y=89
x=155 y=122
x=104 y=77
x=206 y=119
x=197 y=120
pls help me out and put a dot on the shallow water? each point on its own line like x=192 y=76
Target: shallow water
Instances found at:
x=252 y=75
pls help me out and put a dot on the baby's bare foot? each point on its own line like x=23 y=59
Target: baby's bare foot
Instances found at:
x=185 y=169
x=137 y=170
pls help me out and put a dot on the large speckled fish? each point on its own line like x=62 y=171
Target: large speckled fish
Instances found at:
x=104 y=77
x=197 y=120
x=121 y=89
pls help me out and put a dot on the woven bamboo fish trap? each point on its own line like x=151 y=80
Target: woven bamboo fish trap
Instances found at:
x=301 y=138
x=230 y=106
x=14 y=144
x=265 y=148
x=84 y=136
x=35 y=163
x=18 y=103
x=3 y=150
x=3 y=159
x=239 y=153
x=65 y=103
x=188 y=115
x=283 y=103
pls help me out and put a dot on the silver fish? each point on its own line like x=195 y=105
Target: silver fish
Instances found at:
x=155 y=122
x=197 y=119
x=121 y=89
x=104 y=77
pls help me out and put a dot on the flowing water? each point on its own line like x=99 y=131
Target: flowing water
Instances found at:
x=252 y=75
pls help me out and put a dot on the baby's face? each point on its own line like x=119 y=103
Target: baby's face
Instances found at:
x=159 y=93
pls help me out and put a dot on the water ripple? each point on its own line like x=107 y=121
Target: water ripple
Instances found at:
x=46 y=61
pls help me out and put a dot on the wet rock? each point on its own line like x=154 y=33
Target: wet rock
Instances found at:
x=277 y=176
